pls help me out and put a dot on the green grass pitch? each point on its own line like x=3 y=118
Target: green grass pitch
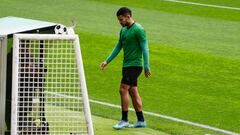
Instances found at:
x=194 y=57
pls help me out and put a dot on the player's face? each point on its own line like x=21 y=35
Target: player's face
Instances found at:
x=124 y=20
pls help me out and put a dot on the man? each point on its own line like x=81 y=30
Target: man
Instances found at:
x=134 y=43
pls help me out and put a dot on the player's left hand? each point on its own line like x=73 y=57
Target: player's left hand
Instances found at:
x=147 y=74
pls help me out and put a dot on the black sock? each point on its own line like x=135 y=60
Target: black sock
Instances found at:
x=140 y=116
x=125 y=115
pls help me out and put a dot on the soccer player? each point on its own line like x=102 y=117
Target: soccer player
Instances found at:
x=134 y=43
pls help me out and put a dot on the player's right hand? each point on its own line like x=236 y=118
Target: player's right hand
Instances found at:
x=103 y=65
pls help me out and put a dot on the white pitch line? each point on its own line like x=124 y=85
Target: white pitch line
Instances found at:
x=153 y=114
x=201 y=4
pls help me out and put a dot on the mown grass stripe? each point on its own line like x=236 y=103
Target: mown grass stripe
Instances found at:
x=205 y=5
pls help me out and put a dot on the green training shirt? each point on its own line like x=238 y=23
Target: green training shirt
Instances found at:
x=134 y=43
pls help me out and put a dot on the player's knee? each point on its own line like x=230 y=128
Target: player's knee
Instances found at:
x=123 y=90
x=134 y=92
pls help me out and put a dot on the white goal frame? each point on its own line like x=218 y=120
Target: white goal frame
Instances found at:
x=81 y=75
x=3 y=65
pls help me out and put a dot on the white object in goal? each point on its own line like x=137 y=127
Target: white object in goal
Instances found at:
x=43 y=64
x=3 y=63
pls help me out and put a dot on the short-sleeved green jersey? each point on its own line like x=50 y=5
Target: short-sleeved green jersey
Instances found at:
x=134 y=43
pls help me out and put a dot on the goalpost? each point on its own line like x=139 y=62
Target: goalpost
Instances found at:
x=44 y=64
x=3 y=63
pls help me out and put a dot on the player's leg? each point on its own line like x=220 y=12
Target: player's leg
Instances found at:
x=125 y=105
x=124 y=99
x=136 y=99
x=133 y=91
x=137 y=103
x=129 y=79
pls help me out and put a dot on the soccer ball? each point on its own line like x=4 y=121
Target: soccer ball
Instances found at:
x=60 y=29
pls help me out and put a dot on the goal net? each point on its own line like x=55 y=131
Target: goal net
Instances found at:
x=44 y=64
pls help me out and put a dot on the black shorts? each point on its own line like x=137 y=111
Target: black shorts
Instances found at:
x=130 y=75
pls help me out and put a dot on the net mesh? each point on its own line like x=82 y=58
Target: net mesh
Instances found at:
x=49 y=66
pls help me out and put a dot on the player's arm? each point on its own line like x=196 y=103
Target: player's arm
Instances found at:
x=114 y=53
x=144 y=46
x=141 y=36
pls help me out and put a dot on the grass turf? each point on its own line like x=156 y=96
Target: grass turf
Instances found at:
x=102 y=126
x=194 y=54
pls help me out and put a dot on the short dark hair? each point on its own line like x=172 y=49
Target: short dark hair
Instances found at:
x=124 y=11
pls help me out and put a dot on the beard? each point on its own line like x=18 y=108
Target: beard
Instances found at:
x=126 y=24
